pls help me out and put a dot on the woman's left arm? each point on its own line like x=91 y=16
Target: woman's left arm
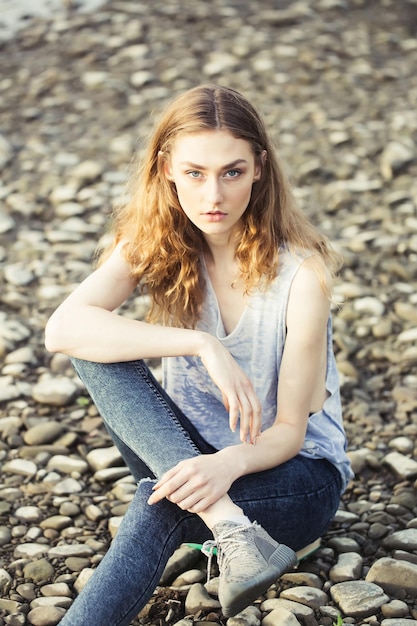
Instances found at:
x=302 y=377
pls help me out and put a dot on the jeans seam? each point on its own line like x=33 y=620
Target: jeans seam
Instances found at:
x=144 y=374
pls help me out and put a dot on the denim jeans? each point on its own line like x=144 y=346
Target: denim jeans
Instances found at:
x=294 y=502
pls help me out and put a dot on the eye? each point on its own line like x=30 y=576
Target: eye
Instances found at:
x=233 y=173
x=194 y=174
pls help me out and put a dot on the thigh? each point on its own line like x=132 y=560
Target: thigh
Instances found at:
x=140 y=416
x=295 y=502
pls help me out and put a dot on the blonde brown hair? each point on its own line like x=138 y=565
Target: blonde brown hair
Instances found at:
x=163 y=247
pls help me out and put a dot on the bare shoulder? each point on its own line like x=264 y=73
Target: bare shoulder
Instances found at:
x=310 y=295
x=313 y=276
x=108 y=286
x=116 y=263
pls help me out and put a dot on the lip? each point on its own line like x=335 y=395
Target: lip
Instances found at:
x=215 y=216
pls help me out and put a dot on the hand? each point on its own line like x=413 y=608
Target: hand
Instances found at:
x=238 y=394
x=194 y=484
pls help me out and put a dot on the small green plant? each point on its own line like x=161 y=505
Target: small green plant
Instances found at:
x=83 y=401
x=339 y=621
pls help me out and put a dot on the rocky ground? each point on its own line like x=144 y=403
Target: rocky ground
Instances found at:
x=336 y=82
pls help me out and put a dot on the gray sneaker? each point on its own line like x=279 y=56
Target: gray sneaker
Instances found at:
x=249 y=561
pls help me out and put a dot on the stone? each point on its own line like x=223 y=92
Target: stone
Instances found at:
x=199 y=600
x=104 y=458
x=395 y=156
x=370 y=305
x=56 y=589
x=394 y=576
x=10 y=606
x=44 y=432
x=5 y=580
x=46 y=616
x=5 y=535
x=402 y=539
x=67 y=464
x=114 y=523
x=403 y=465
x=280 y=617
x=348 y=567
x=74 y=549
x=94 y=513
x=403 y=445
x=344 y=544
x=182 y=560
x=39 y=571
x=83 y=578
x=87 y=171
x=111 y=474
x=303 y=578
x=6 y=151
x=251 y=616
x=57 y=522
x=18 y=275
x=188 y=578
x=7 y=223
x=29 y=514
x=54 y=391
x=310 y=596
x=358 y=598
x=61 y=601
x=301 y=611
x=20 y=467
x=395 y=608
x=67 y=486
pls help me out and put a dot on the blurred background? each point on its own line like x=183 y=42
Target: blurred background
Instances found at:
x=336 y=82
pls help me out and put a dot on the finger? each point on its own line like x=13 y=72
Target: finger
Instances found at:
x=233 y=415
x=160 y=492
x=187 y=503
x=155 y=497
x=197 y=501
x=256 y=424
x=164 y=488
x=200 y=505
x=246 y=414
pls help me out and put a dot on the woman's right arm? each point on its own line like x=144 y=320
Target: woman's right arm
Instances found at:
x=85 y=324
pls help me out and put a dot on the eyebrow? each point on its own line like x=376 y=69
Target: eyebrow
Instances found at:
x=228 y=166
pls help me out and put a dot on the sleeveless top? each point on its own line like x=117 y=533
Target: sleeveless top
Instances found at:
x=257 y=344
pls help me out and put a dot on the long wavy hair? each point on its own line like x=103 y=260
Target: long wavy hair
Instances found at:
x=164 y=248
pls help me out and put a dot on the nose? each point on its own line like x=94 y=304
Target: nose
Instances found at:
x=213 y=189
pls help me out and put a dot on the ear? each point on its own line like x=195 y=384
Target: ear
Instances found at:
x=166 y=165
x=261 y=160
x=168 y=172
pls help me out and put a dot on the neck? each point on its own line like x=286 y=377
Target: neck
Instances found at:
x=219 y=254
x=220 y=248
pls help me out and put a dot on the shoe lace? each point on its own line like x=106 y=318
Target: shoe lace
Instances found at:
x=228 y=544
x=209 y=550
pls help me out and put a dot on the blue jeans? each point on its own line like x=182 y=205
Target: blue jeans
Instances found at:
x=294 y=502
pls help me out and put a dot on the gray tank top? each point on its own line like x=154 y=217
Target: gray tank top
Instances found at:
x=257 y=344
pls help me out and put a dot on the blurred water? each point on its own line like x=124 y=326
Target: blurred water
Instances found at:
x=15 y=14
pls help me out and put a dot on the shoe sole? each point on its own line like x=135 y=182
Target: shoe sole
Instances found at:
x=305 y=552
x=279 y=562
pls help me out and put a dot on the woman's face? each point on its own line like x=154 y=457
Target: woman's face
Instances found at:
x=213 y=173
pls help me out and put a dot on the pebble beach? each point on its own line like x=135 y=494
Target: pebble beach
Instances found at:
x=80 y=86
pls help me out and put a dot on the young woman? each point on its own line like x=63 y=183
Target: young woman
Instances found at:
x=244 y=440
